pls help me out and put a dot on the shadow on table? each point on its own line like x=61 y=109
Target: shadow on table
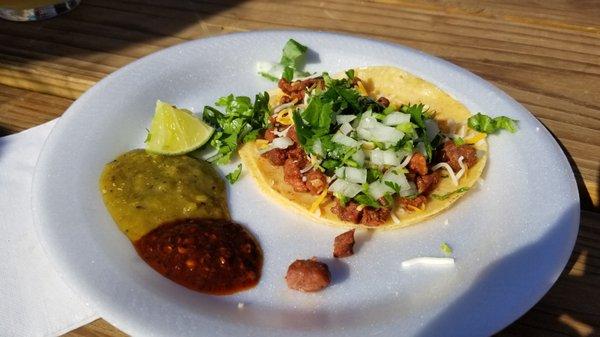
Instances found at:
x=105 y=26
x=470 y=312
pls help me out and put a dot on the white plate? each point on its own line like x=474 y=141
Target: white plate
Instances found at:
x=511 y=236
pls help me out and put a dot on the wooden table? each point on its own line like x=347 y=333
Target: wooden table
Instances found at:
x=545 y=54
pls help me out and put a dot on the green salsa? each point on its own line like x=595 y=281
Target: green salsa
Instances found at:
x=143 y=190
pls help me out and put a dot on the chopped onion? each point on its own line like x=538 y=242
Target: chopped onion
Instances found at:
x=396 y=118
x=396 y=178
x=282 y=143
x=340 y=172
x=341 y=119
x=371 y=129
x=359 y=157
x=318 y=147
x=428 y=261
x=344 y=140
x=390 y=157
x=345 y=128
x=421 y=148
x=411 y=190
x=355 y=175
x=431 y=128
x=345 y=188
x=376 y=157
x=378 y=189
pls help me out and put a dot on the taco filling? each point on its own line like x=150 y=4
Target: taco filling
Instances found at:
x=367 y=159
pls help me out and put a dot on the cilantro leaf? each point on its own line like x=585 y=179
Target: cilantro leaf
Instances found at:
x=458 y=141
x=234 y=175
x=318 y=114
x=367 y=200
x=350 y=73
x=487 y=124
x=288 y=73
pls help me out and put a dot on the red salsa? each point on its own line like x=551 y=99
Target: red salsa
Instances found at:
x=216 y=257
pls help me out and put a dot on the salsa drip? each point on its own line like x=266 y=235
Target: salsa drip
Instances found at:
x=216 y=257
x=305 y=178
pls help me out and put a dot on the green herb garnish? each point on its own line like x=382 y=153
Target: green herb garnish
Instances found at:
x=447 y=195
x=234 y=175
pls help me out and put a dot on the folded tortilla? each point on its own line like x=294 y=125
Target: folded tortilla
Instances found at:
x=400 y=87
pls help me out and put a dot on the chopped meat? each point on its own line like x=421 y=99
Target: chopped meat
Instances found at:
x=375 y=216
x=296 y=89
x=343 y=244
x=277 y=157
x=292 y=175
x=270 y=134
x=273 y=120
x=285 y=99
x=316 y=182
x=308 y=275
x=427 y=183
x=418 y=164
x=297 y=154
x=292 y=134
x=410 y=204
x=383 y=101
x=348 y=213
x=355 y=81
x=451 y=153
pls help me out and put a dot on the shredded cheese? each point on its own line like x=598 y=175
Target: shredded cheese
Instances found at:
x=361 y=88
x=315 y=205
x=406 y=161
x=450 y=171
x=463 y=168
x=414 y=208
x=428 y=261
x=262 y=144
x=284 y=117
x=475 y=138
x=394 y=218
x=280 y=107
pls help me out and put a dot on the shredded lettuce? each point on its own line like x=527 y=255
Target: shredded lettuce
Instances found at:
x=487 y=124
x=234 y=175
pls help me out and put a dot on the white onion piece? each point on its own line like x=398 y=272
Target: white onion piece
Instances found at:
x=282 y=143
x=344 y=140
x=345 y=188
x=340 y=172
x=376 y=157
x=341 y=119
x=421 y=148
x=406 y=161
x=432 y=128
x=396 y=178
x=318 y=148
x=359 y=157
x=411 y=190
x=371 y=129
x=390 y=157
x=428 y=261
x=378 y=189
x=356 y=175
x=396 y=118
x=273 y=69
x=346 y=128
x=447 y=168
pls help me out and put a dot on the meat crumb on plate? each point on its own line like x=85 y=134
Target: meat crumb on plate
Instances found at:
x=308 y=275
x=343 y=244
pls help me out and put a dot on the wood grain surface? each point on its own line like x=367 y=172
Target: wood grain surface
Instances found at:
x=545 y=54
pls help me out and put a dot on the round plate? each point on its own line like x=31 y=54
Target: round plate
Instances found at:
x=512 y=235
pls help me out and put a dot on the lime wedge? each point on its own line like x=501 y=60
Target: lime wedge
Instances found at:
x=176 y=131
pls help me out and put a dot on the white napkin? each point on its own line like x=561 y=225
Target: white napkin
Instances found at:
x=34 y=301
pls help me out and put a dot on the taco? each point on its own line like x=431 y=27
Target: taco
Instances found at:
x=374 y=147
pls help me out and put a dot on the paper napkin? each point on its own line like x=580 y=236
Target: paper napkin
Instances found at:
x=34 y=301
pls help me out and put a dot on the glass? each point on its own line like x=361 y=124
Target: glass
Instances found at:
x=33 y=10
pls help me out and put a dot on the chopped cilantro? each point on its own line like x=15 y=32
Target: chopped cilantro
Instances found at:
x=458 y=141
x=393 y=186
x=234 y=175
x=293 y=52
x=367 y=200
x=487 y=124
x=350 y=73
